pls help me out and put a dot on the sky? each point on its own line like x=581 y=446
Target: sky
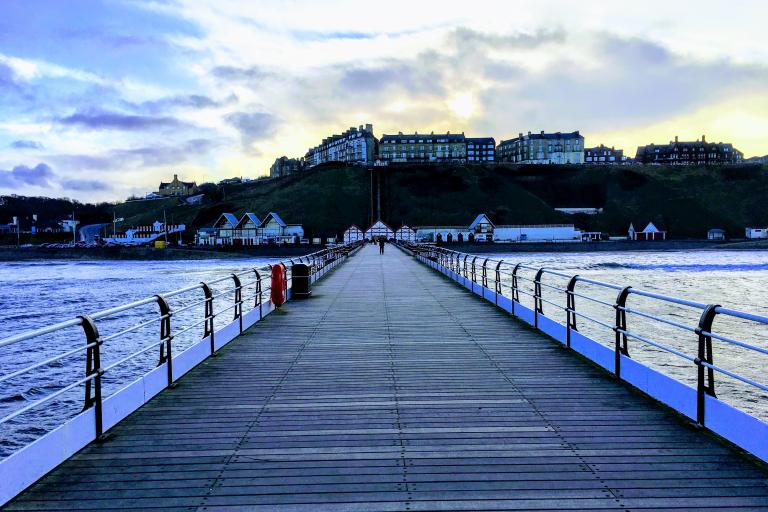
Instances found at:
x=100 y=100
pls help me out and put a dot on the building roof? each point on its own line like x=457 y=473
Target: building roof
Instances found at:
x=249 y=217
x=274 y=216
x=481 y=140
x=353 y=226
x=716 y=230
x=227 y=217
x=188 y=184
x=421 y=138
x=545 y=136
x=480 y=218
x=378 y=225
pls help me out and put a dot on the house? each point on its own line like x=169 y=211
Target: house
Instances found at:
x=353 y=234
x=716 y=234
x=354 y=146
x=482 y=228
x=650 y=232
x=423 y=148
x=284 y=166
x=756 y=233
x=480 y=149
x=379 y=230
x=543 y=148
x=274 y=229
x=177 y=188
x=699 y=152
x=224 y=230
x=604 y=155
x=247 y=230
x=405 y=234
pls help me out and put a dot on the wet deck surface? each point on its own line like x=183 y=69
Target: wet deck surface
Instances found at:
x=392 y=388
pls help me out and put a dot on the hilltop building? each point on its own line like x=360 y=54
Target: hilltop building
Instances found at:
x=699 y=152
x=177 y=188
x=354 y=146
x=604 y=155
x=542 y=148
x=481 y=149
x=415 y=148
x=284 y=166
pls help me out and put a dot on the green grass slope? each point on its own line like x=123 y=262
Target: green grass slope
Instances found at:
x=327 y=199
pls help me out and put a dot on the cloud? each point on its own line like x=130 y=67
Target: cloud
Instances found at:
x=97 y=119
x=40 y=175
x=251 y=125
x=190 y=101
x=26 y=144
x=85 y=185
x=240 y=74
x=462 y=37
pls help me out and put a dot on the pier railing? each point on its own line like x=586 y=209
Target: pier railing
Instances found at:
x=558 y=294
x=226 y=306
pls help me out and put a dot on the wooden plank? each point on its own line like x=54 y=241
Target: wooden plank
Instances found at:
x=393 y=389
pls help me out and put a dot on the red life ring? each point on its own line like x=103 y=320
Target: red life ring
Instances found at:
x=279 y=284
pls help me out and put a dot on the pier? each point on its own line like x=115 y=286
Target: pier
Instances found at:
x=394 y=389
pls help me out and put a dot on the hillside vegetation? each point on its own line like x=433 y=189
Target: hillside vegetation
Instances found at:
x=327 y=199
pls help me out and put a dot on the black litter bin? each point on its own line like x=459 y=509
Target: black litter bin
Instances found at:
x=301 y=286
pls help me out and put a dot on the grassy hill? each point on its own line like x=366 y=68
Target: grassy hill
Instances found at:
x=327 y=199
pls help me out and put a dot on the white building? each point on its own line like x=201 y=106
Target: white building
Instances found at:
x=442 y=234
x=482 y=228
x=650 y=232
x=247 y=230
x=353 y=234
x=379 y=230
x=224 y=231
x=356 y=145
x=405 y=234
x=537 y=233
x=273 y=228
x=756 y=233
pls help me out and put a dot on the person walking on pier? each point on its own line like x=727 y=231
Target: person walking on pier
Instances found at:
x=381 y=245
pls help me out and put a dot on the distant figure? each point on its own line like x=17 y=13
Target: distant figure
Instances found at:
x=381 y=246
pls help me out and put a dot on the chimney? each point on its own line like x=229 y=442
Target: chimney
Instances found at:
x=529 y=133
x=675 y=138
x=542 y=132
x=449 y=132
x=521 y=134
x=703 y=138
x=369 y=127
x=175 y=177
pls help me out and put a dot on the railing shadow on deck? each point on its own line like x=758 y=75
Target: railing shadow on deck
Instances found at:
x=502 y=283
x=250 y=300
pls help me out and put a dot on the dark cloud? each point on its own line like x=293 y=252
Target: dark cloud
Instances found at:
x=233 y=73
x=26 y=144
x=145 y=156
x=109 y=120
x=40 y=175
x=85 y=185
x=251 y=125
x=463 y=37
x=192 y=101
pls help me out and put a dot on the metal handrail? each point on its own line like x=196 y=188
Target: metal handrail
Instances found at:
x=94 y=341
x=703 y=330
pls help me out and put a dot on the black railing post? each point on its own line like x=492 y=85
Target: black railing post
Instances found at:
x=166 y=355
x=208 y=330
x=94 y=371
x=705 y=378
x=570 y=310
x=474 y=274
x=238 y=301
x=484 y=276
x=538 y=306
x=466 y=273
x=515 y=291
x=497 y=286
x=620 y=329
x=257 y=298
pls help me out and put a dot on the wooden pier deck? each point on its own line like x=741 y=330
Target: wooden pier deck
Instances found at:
x=392 y=388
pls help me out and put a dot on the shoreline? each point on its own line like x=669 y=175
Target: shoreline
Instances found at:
x=11 y=254
x=605 y=246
